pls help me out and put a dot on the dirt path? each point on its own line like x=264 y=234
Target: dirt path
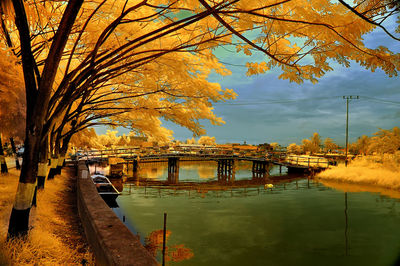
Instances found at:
x=56 y=237
x=72 y=233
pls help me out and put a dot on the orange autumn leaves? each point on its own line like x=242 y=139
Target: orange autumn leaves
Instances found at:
x=175 y=253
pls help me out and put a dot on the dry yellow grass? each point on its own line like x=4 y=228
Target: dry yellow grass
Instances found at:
x=55 y=238
x=382 y=171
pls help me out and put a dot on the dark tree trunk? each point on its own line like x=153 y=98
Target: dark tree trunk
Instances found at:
x=64 y=147
x=60 y=160
x=38 y=92
x=4 y=168
x=53 y=168
x=19 y=220
x=43 y=164
x=17 y=165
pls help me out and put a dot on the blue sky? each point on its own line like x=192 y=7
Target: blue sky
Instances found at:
x=284 y=112
x=268 y=109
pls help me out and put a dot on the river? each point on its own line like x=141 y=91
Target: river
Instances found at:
x=282 y=220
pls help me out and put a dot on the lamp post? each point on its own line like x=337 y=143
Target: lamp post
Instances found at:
x=348 y=98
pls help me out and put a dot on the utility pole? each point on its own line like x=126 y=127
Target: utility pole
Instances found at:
x=348 y=98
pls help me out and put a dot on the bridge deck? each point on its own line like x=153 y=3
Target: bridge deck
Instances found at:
x=318 y=163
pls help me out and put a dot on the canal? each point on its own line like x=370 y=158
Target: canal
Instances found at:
x=294 y=221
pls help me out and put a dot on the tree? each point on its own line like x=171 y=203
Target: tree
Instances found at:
x=312 y=145
x=71 y=65
x=362 y=145
x=154 y=242
x=329 y=145
x=86 y=139
x=294 y=148
x=3 y=164
x=206 y=140
x=385 y=141
x=12 y=98
x=375 y=12
x=275 y=146
x=191 y=141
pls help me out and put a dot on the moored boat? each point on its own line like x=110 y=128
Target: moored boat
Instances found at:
x=105 y=188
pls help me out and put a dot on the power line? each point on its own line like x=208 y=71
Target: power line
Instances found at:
x=372 y=99
x=277 y=101
x=283 y=101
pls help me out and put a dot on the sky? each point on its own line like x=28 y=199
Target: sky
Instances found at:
x=268 y=109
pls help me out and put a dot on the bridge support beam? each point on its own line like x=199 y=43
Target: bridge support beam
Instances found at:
x=226 y=170
x=132 y=166
x=260 y=169
x=135 y=165
x=173 y=170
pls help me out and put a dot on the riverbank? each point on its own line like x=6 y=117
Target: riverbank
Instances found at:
x=56 y=237
x=376 y=171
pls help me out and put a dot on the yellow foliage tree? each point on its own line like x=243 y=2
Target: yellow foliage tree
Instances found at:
x=206 y=140
x=294 y=148
x=385 y=141
x=90 y=62
x=329 y=145
x=312 y=145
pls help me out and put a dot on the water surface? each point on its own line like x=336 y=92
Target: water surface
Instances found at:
x=297 y=222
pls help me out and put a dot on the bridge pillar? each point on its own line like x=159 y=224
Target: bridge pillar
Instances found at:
x=133 y=168
x=173 y=170
x=260 y=169
x=226 y=170
x=135 y=165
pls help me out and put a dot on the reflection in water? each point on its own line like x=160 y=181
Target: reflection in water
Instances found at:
x=175 y=253
x=348 y=187
x=195 y=170
x=155 y=170
x=346 y=223
x=249 y=222
x=205 y=170
x=203 y=176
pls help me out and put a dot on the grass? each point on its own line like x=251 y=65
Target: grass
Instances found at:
x=378 y=171
x=55 y=237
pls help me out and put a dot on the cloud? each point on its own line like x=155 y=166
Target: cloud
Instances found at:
x=303 y=109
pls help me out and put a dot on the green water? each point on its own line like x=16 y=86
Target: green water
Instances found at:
x=294 y=223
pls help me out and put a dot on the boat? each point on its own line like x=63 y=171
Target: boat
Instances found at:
x=105 y=188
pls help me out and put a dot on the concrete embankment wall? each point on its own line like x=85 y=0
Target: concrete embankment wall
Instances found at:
x=111 y=241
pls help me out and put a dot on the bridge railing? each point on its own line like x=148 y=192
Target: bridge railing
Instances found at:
x=281 y=158
x=307 y=161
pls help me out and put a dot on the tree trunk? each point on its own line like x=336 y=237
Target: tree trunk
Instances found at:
x=38 y=92
x=60 y=159
x=19 y=220
x=17 y=165
x=43 y=164
x=3 y=163
x=53 y=167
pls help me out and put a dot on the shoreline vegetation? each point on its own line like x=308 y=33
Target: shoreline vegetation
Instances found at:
x=373 y=173
x=56 y=236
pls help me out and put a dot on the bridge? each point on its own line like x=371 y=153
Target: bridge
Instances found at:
x=226 y=162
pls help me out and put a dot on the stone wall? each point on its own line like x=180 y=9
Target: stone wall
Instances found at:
x=111 y=241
